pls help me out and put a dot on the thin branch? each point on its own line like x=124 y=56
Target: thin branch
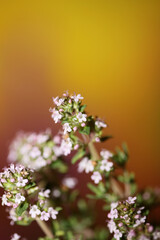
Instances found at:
x=45 y=228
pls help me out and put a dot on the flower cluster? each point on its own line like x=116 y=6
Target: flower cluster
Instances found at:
x=24 y=219
x=16 y=181
x=36 y=183
x=42 y=208
x=103 y=165
x=71 y=113
x=18 y=184
x=144 y=232
x=32 y=149
x=63 y=146
x=124 y=216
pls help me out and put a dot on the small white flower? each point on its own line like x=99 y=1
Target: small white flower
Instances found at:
x=15 y=236
x=131 y=234
x=66 y=128
x=4 y=200
x=96 y=177
x=57 y=139
x=25 y=149
x=70 y=182
x=89 y=166
x=56 y=116
x=143 y=219
x=56 y=193
x=44 y=216
x=100 y=124
x=140 y=221
x=52 y=212
x=35 y=152
x=156 y=235
x=112 y=226
x=39 y=163
x=6 y=173
x=19 y=168
x=58 y=101
x=12 y=168
x=47 y=152
x=131 y=200
x=114 y=205
x=77 y=97
x=85 y=165
x=45 y=193
x=34 y=211
x=82 y=164
x=66 y=146
x=105 y=165
x=58 y=151
x=19 y=198
x=117 y=234
x=42 y=138
x=113 y=214
x=81 y=117
x=106 y=154
x=12 y=216
x=21 y=182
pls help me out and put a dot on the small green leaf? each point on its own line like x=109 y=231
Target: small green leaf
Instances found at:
x=94 y=189
x=59 y=233
x=82 y=108
x=85 y=130
x=78 y=155
x=105 y=138
x=60 y=166
x=24 y=222
x=21 y=208
x=28 y=186
x=58 y=209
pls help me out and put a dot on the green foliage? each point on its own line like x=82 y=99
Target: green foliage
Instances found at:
x=59 y=166
x=101 y=234
x=21 y=208
x=30 y=185
x=121 y=157
x=98 y=190
x=85 y=130
x=82 y=108
x=24 y=222
x=73 y=195
x=78 y=155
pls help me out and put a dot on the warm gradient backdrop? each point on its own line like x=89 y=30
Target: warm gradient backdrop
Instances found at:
x=106 y=50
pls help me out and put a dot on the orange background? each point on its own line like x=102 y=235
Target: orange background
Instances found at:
x=106 y=50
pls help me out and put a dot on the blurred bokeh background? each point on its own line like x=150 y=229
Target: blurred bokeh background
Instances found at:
x=106 y=50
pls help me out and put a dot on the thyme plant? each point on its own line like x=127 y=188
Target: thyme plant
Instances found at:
x=38 y=185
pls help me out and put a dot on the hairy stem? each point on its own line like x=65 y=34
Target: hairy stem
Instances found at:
x=45 y=228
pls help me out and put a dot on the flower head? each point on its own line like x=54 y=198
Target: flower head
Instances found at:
x=34 y=211
x=96 y=177
x=34 y=150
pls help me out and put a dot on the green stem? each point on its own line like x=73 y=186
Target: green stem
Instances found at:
x=93 y=151
x=45 y=228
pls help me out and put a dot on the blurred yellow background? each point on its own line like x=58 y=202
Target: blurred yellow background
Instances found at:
x=106 y=50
